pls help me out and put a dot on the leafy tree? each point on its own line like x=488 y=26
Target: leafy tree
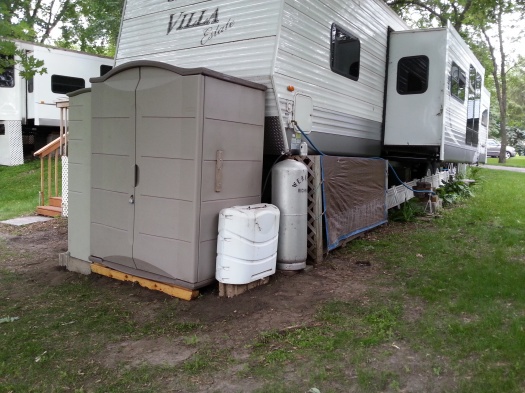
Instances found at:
x=87 y=25
x=95 y=28
x=475 y=20
x=10 y=55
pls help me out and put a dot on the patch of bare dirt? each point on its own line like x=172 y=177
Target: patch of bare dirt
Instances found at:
x=158 y=352
x=229 y=325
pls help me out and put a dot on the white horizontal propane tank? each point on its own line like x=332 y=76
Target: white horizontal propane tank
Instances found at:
x=247 y=243
x=290 y=195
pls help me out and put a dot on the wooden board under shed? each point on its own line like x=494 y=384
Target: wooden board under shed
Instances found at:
x=231 y=290
x=169 y=289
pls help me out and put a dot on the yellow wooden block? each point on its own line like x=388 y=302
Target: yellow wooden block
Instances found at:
x=170 y=289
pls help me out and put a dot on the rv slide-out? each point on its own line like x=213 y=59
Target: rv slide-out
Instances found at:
x=434 y=97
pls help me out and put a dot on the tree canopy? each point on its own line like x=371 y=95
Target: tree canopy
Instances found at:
x=87 y=25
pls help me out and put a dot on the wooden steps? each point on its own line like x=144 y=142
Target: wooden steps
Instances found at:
x=54 y=209
x=55 y=201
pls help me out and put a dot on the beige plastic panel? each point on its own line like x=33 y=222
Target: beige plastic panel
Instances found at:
x=113 y=173
x=168 y=157
x=79 y=150
x=240 y=179
x=231 y=102
x=77 y=109
x=238 y=141
x=111 y=209
x=111 y=244
x=113 y=167
x=168 y=137
x=115 y=97
x=167 y=178
x=175 y=218
x=174 y=258
x=115 y=136
x=162 y=93
x=79 y=176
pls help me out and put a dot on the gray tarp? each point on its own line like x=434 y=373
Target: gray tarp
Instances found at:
x=354 y=194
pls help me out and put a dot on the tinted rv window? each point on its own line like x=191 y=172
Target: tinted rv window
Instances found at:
x=104 y=69
x=412 y=75
x=344 y=53
x=485 y=118
x=62 y=84
x=7 y=78
x=457 y=82
x=474 y=107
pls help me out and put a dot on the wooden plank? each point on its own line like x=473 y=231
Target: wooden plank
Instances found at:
x=49 y=175
x=41 y=180
x=169 y=289
x=49 y=148
x=231 y=290
x=318 y=208
x=56 y=174
x=49 y=211
x=55 y=201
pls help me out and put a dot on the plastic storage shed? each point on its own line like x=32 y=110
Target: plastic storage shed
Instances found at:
x=171 y=147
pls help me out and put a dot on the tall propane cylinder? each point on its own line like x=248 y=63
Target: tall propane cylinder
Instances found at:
x=290 y=195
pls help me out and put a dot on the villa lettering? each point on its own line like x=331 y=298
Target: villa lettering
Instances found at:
x=187 y=20
x=202 y=18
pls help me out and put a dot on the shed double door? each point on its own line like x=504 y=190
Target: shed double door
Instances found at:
x=145 y=171
x=155 y=138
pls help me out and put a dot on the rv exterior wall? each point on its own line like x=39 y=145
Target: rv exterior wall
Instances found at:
x=41 y=102
x=455 y=149
x=62 y=63
x=11 y=100
x=279 y=43
x=347 y=113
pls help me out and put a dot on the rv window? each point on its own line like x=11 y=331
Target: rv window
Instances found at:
x=2 y=129
x=30 y=85
x=457 y=82
x=7 y=78
x=485 y=118
x=344 y=53
x=104 y=69
x=61 y=84
x=412 y=75
x=474 y=103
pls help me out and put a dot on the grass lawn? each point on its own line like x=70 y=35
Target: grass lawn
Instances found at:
x=518 y=161
x=442 y=310
x=19 y=187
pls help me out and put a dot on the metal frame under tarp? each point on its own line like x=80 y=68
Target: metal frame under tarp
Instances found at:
x=354 y=196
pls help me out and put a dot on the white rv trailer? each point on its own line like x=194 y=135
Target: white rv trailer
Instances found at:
x=323 y=62
x=28 y=106
x=434 y=96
